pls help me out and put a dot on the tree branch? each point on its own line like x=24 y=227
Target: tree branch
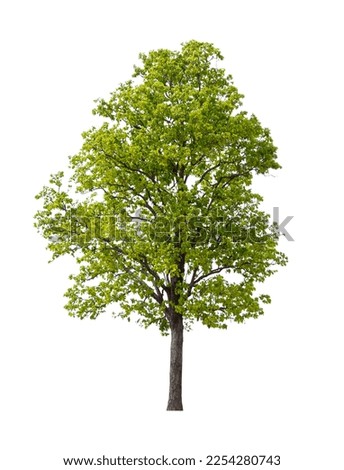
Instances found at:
x=194 y=274
x=207 y=172
x=210 y=273
x=144 y=262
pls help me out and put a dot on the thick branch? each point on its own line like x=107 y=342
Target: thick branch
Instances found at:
x=194 y=274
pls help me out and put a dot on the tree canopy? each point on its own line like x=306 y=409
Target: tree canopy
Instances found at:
x=159 y=210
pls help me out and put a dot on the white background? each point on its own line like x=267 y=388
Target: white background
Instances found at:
x=88 y=388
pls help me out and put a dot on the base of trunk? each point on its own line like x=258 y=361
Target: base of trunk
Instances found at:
x=174 y=406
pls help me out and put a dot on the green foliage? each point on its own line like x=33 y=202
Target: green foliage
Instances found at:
x=163 y=218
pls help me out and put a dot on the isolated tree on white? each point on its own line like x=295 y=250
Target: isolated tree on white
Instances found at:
x=162 y=219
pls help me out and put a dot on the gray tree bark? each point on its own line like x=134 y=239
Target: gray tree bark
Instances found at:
x=176 y=363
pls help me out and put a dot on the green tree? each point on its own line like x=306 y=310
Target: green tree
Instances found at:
x=159 y=211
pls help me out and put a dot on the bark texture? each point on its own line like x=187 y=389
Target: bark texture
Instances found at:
x=176 y=363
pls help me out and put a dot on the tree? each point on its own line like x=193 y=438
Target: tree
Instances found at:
x=159 y=211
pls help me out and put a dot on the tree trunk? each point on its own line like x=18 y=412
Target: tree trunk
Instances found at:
x=176 y=363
